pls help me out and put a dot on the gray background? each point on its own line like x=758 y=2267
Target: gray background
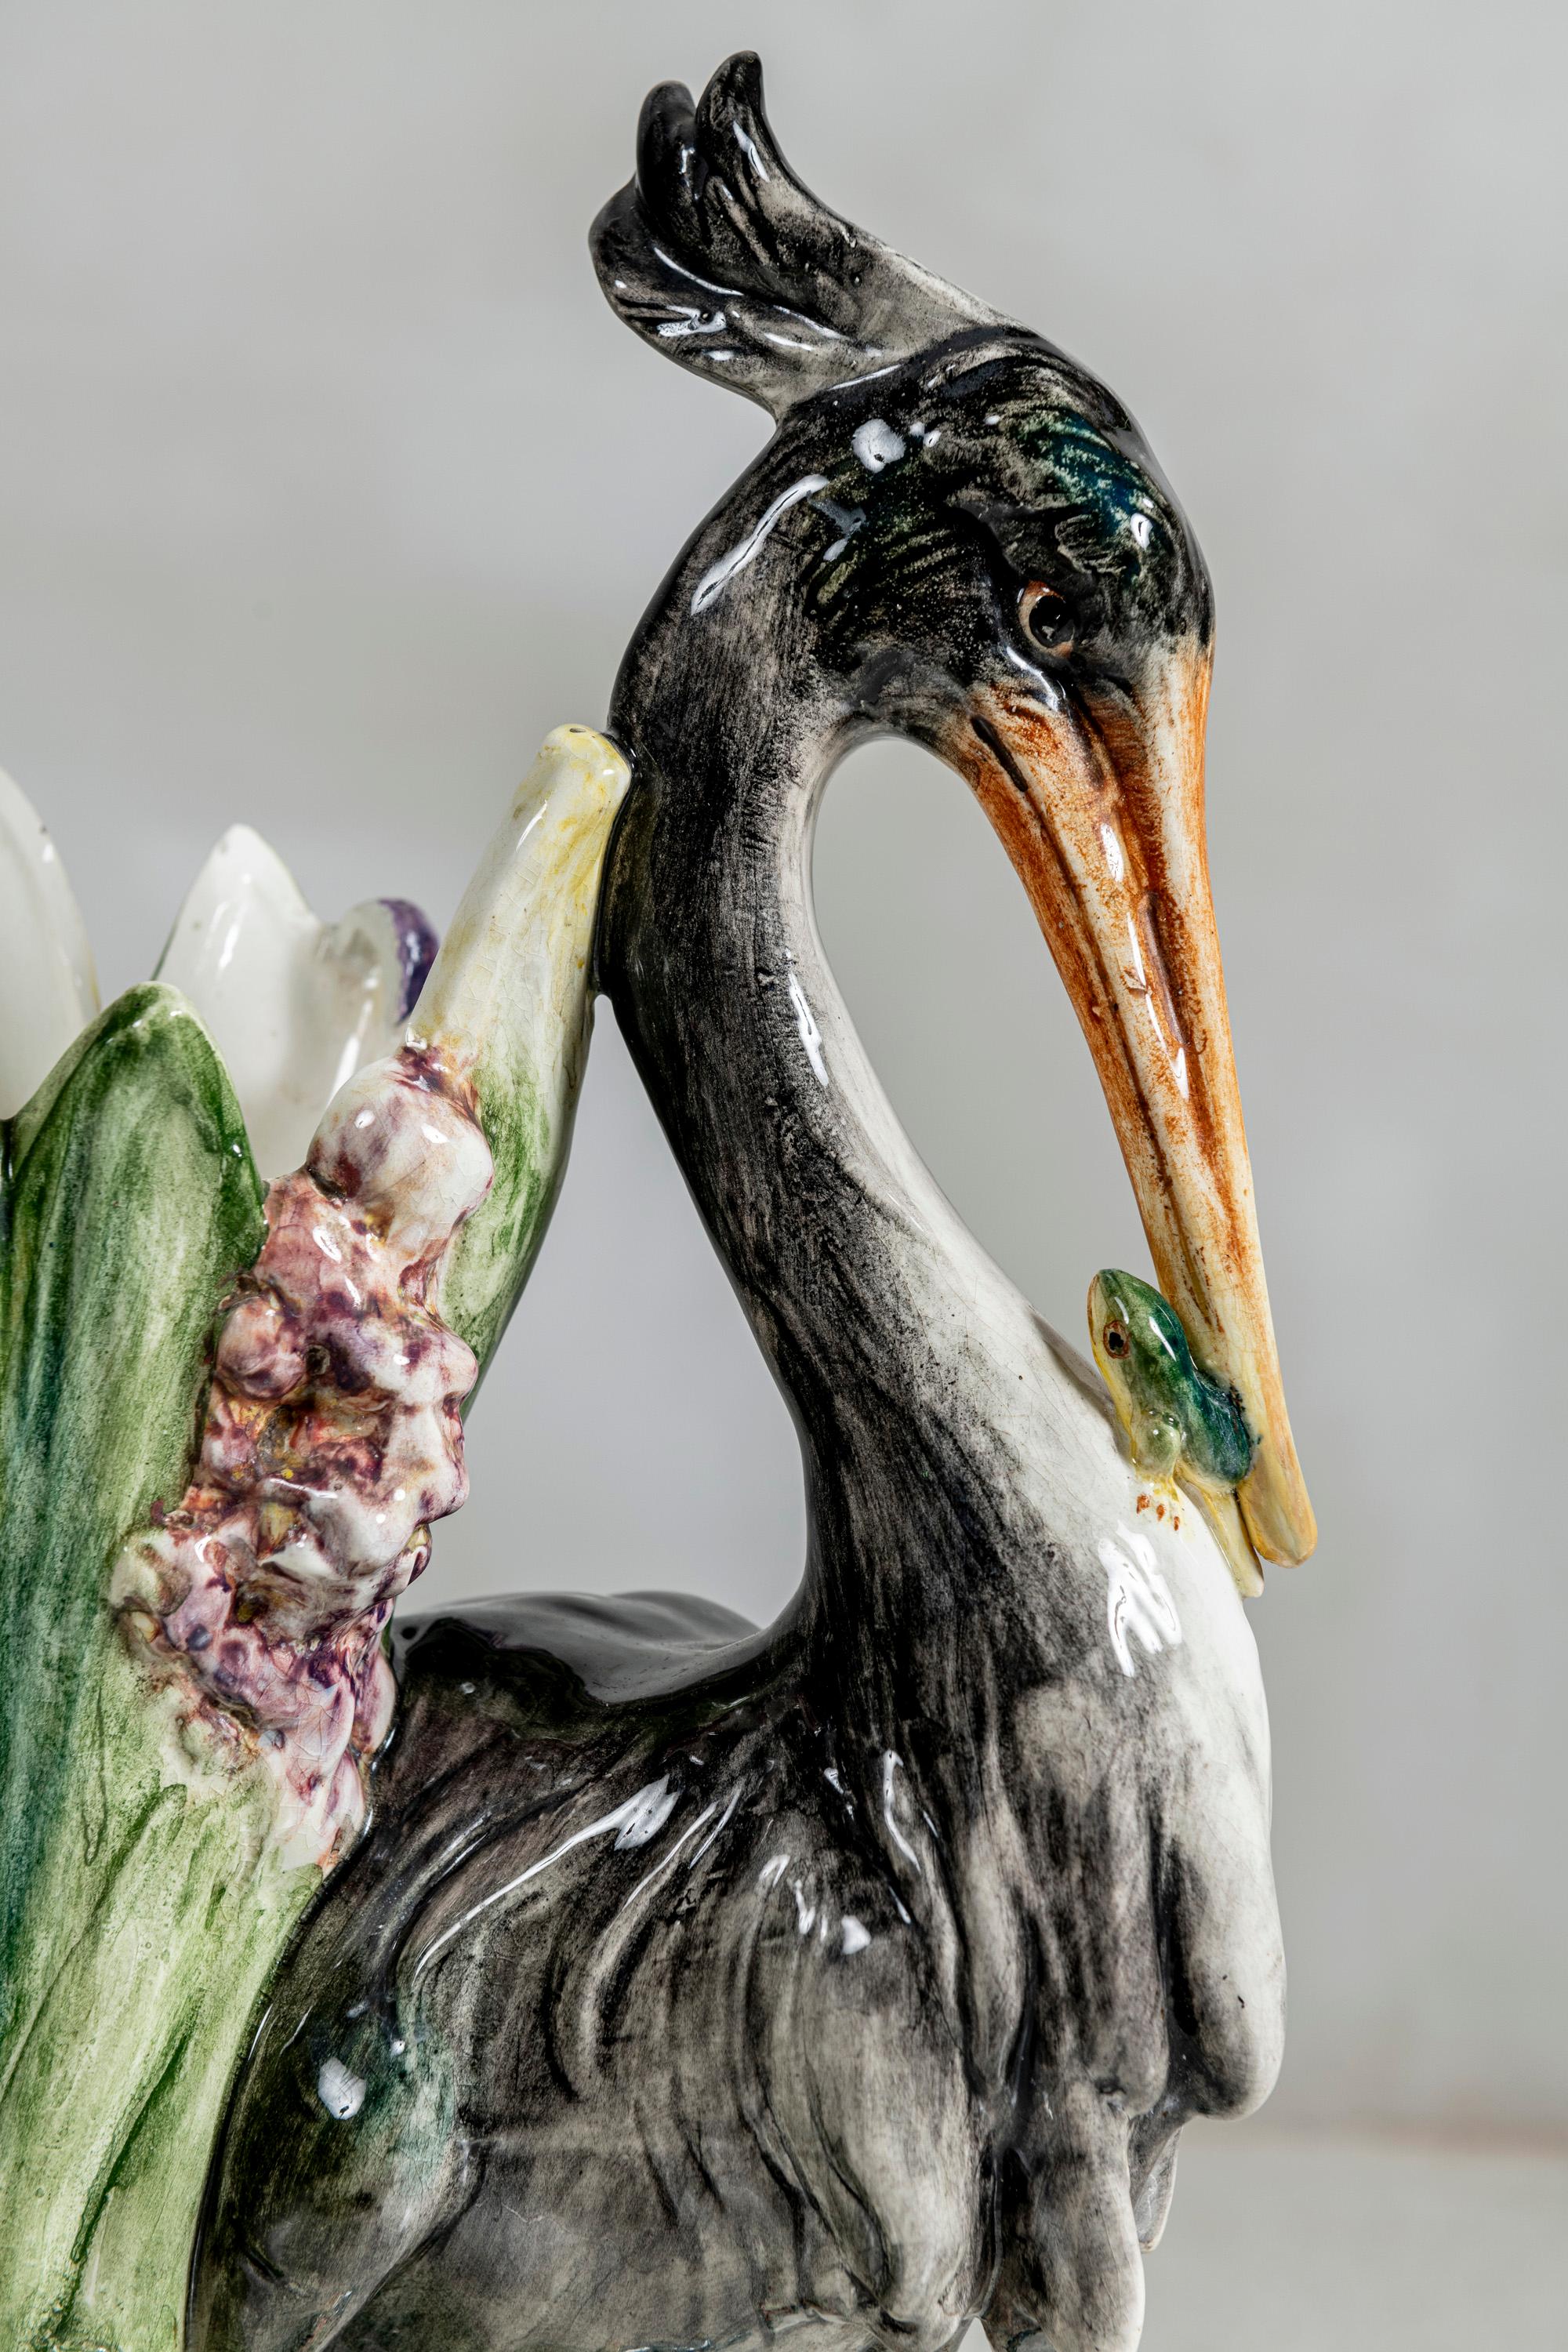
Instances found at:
x=327 y=484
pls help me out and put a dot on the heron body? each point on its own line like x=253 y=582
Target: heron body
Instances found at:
x=696 y=1985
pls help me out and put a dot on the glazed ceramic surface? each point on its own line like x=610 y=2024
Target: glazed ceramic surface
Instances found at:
x=46 y=964
x=195 y=1674
x=1185 y=1431
x=293 y=1004
x=698 y=1986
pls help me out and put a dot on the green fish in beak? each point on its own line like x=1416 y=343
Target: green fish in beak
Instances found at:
x=1181 y=1426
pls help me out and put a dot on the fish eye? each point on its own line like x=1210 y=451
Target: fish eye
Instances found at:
x=1116 y=1340
x=1044 y=617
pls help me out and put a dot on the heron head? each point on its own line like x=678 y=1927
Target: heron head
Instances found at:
x=957 y=534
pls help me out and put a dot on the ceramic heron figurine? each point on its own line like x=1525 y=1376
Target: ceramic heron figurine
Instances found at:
x=695 y=1985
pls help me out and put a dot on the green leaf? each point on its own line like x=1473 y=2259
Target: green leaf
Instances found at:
x=131 y=1205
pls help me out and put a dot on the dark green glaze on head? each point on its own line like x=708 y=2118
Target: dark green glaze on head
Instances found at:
x=993 y=518
x=1178 y=1420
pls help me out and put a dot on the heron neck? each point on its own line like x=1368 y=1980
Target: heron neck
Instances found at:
x=905 y=1356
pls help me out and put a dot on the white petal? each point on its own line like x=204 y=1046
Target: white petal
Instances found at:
x=294 y=1005
x=48 y=991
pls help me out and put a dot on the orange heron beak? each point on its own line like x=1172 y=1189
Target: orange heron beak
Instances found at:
x=1099 y=803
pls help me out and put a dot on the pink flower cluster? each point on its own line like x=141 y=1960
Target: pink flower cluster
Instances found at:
x=332 y=1440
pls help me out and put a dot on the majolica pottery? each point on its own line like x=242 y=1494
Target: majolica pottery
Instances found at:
x=670 y=1982
x=194 y=1672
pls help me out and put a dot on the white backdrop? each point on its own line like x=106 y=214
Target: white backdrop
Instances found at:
x=327 y=484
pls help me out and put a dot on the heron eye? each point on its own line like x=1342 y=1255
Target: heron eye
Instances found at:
x=1044 y=618
x=1116 y=1338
